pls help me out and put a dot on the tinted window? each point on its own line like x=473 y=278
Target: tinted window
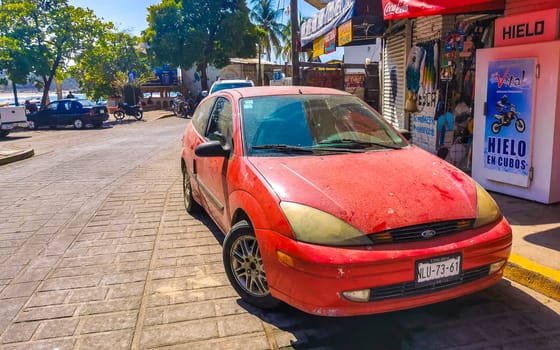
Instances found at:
x=201 y=115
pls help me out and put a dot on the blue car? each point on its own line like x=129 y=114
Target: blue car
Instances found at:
x=77 y=113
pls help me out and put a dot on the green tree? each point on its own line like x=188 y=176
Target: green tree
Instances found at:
x=184 y=33
x=51 y=34
x=100 y=68
x=15 y=60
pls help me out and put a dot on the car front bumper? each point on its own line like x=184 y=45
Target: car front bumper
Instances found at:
x=312 y=278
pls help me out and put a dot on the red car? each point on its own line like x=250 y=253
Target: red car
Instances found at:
x=327 y=207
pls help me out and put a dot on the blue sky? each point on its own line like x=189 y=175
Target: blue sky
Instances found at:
x=130 y=15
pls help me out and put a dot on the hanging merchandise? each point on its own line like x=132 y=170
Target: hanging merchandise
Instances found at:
x=413 y=77
x=454 y=43
x=424 y=124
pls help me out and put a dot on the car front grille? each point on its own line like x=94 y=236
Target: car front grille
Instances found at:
x=408 y=289
x=421 y=232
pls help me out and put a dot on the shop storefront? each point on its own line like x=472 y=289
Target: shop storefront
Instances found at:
x=482 y=81
x=431 y=92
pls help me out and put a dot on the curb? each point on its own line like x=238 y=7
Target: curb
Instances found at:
x=542 y=279
x=15 y=156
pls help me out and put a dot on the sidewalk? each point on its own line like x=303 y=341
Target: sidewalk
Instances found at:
x=535 y=257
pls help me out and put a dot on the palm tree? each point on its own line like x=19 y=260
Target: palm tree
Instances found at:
x=286 y=50
x=265 y=14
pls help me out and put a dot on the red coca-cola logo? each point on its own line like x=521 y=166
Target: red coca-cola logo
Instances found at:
x=392 y=9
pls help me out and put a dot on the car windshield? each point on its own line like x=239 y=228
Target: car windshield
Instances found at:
x=223 y=86
x=316 y=124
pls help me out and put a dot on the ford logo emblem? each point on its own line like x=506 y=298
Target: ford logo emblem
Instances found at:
x=428 y=233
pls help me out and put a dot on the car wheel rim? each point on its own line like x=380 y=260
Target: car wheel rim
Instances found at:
x=247 y=266
x=78 y=124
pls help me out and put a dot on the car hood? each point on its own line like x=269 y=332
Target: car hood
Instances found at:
x=374 y=191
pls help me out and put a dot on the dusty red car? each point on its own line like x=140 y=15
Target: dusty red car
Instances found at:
x=327 y=207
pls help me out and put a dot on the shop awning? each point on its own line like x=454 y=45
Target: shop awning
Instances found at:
x=396 y=9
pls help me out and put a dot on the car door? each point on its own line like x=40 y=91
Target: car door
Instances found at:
x=212 y=171
x=45 y=116
x=65 y=114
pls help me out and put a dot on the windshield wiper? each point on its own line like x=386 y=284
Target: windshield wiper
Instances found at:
x=356 y=143
x=284 y=148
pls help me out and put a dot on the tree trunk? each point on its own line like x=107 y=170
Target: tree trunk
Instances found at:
x=204 y=76
x=14 y=89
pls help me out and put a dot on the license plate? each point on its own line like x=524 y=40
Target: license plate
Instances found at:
x=443 y=268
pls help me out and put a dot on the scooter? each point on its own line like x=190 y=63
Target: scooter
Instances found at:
x=126 y=109
x=505 y=117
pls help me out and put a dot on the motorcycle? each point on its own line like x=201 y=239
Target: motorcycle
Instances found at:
x=125 y=109
x=183 y=107
x=505 y=116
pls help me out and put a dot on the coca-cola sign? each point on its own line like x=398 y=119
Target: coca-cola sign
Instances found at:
x=395 y=9
x=392 y=9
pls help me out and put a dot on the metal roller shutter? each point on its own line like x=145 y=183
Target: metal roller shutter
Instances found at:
x=427 y=28
x=394 y=66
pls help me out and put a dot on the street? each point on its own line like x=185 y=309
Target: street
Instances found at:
x=97 y=252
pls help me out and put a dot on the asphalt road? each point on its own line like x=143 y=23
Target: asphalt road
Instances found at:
x=96 y=252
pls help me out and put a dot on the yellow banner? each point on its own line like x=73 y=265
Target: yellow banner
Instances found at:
x=345 y=33
x=318 y=46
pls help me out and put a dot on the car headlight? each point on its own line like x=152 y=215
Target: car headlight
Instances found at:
x=315 y=226
x=486 y=208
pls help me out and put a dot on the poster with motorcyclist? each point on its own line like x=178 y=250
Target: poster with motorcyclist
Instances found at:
x=509 y=118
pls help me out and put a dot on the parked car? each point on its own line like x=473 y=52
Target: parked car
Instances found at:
x=64 y=112
x=219 y=85
x=325 y=206
x=11 y=117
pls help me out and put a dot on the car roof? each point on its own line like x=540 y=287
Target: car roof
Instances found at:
x=257 y=91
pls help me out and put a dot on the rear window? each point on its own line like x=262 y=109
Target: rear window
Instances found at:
x=223 y=86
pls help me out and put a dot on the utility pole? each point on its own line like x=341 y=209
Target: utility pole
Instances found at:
x=295 y=41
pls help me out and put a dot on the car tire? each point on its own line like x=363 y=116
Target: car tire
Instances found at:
x=119 y=115
x=191 y=206
x=244 y=267
x=79 y=124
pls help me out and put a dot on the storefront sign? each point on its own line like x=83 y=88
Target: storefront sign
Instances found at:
x=330 y=41
x=345 y=33
x=530 y=27
x=395 y=9
x=329 y=17
x=318 y=46
x=424 y=125
x=509 y=120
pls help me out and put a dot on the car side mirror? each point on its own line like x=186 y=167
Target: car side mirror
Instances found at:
x=212 y=149
x=406 y=133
